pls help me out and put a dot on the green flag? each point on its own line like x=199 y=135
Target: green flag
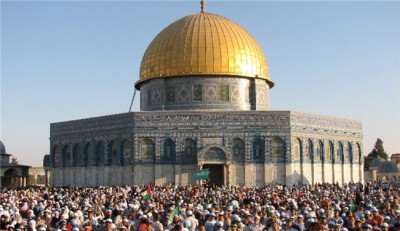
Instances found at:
x=202 y=174
x=176 y=212
x=147 y=194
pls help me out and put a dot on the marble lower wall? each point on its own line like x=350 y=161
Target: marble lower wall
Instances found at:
x=235 y=174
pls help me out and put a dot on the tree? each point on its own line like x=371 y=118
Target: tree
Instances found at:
x=14 y=160
x=378 y=150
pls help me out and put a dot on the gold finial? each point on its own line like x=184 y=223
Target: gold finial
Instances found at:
x=203 y=5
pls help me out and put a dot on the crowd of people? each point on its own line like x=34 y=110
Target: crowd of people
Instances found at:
x=333 y=207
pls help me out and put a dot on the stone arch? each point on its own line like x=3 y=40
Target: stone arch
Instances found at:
x=309 y=150
x=147 y=149
x=348 y=152
x=238 y=150
x=340 y=153
x=297 y=150
x=278 y=148
x=169 y=150
x=56 y=156
x=88 y=153
x=258 y=149
x=320 y=151
x=77 y=159
x=214 y=152
x=328 y=150
x=112 y=155
x=100 y=151
x=10 y=178
x=66 y=162
x=189 y=151
x=356 y=152
x=47 y=161
x=126 y=148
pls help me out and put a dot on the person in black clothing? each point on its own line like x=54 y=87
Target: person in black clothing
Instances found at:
x=5 y=221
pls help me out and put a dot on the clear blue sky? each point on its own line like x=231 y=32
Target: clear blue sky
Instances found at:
x=66 y=60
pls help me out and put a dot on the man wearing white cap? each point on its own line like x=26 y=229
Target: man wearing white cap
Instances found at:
x=194 y=223
x=32 y=225
x=300 y=222
x=376 y=217
x=210 y=222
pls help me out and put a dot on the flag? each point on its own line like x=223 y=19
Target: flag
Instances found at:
x=175 y=212
x=147 y=194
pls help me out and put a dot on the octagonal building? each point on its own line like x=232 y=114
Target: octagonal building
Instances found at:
x=204 y=103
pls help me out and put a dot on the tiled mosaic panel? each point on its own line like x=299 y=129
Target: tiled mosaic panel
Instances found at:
x=183 y=93
x=197 y=93
x=231 y=93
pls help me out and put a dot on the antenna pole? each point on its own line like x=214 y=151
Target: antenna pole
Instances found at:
x=133 y=97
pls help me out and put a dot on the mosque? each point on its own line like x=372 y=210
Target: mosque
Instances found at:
x=204 y=103
x=12 y=173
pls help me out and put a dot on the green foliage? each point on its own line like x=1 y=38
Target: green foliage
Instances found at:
x=14 y=160
x=378 y=150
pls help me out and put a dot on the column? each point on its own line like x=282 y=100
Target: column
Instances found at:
x=227 y=180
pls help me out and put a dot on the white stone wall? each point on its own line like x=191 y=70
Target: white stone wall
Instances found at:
x=338 y=173
x=317 y=173
x=239 y=174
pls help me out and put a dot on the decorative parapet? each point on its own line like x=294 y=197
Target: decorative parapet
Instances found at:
x=315 y=123
x=93 y=125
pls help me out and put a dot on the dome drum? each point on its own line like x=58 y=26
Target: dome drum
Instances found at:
x=204 y=93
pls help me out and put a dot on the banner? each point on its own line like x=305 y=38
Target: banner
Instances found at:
x=176 y=212
x=202 y=174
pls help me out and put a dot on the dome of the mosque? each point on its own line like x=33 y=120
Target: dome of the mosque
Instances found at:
x=376 y=162
x=203 y=44
x=387 y=167
x=2 y=148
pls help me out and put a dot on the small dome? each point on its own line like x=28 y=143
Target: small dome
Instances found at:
x=2 y=148
x=388 y=166
x=203 y=44
x=375 y=163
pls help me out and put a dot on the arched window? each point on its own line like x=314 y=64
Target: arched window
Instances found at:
x=278 y=148
x=57 y=156
x=339 y=153
x=100 y=153
x=113 y=157
x=89 y=155
x=66 y=157
x=77 y=156
x=237 y=149
x=357 y=152
x=148 y=149
x=309 y=150
x=258 y=149
x=349 y=152
x=126 y=151
x=320 y=151
x=329 y=152
x=189 y=149
x=296 y=149
x=169 y=150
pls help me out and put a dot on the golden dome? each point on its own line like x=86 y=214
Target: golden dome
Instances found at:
x=203 y=44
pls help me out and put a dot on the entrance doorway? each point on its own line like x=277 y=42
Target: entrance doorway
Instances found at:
x=216 y=174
